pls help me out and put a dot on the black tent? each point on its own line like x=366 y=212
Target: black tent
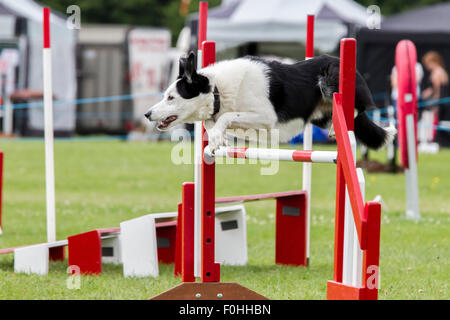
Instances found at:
x=427 y=27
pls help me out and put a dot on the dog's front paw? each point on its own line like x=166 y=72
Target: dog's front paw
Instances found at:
x=215 y=140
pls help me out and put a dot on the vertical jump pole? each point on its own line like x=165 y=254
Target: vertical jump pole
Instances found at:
x=48 y=127
x=198 y=146
x=407 y=108
x=366 y=216
x=210 y=270
x=347 y=69
x=307 y=138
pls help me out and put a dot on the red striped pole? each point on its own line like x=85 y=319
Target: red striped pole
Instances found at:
x=48 y=129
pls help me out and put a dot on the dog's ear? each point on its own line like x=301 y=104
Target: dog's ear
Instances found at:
x=182 y=66
x=189 y=68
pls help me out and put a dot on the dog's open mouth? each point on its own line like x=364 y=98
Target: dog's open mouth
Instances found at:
x=166 y=122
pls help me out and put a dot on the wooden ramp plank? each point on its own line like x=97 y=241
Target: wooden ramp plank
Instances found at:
x=209 y=291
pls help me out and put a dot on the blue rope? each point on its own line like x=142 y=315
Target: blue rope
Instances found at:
x=57 y=103
x=78 y=138
x=421 y=104
x=440 y=128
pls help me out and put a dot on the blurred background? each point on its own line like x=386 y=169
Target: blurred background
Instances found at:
x=112 y=59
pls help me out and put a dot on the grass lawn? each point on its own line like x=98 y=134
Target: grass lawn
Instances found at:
x=101 y=183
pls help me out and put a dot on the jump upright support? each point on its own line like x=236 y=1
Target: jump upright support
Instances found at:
x=366 y=216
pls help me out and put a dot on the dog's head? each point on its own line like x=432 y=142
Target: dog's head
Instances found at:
x=187 y=100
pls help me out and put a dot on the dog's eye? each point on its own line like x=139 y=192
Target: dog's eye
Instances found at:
x=169 y=98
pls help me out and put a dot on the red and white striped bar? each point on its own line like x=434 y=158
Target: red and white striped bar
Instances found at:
x=274 y=154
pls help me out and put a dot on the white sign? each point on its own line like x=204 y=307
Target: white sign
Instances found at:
x=148 y=58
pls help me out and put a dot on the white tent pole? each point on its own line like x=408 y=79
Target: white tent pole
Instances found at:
x=412 y=186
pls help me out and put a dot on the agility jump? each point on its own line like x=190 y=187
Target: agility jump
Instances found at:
x=361 y=281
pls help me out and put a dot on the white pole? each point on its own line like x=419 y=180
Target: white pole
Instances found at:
x=48 y=127
x=198 y=154
x=349 y=225
x=412 y=188
x=306 y=185
x=7 y=117
x=357 y=252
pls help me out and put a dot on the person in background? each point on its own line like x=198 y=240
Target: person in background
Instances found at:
x=438 y=76
x=439 y=89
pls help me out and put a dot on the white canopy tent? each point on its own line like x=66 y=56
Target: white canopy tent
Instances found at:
x=241 y=21
x=64 y=56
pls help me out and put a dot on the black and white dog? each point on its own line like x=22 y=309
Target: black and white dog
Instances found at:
x=250 y=93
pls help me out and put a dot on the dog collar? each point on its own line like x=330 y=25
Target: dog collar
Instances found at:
x=216 y=101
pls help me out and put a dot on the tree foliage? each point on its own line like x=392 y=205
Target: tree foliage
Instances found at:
x=155 y=13
x=166 y=13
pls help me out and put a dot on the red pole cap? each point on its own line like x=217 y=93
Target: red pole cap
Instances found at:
x=46 y=25
x=202 y=23
x=310 y=36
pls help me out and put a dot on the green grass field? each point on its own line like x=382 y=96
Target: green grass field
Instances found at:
x=101 y=183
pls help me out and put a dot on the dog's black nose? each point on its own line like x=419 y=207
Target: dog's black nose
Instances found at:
x=148 y=115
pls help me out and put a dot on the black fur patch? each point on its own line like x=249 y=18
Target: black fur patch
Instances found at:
x=199 y=84
x=295 y=91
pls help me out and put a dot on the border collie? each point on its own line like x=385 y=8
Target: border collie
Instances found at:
x=251 y=93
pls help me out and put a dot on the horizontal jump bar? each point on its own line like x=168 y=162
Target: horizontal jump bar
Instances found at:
x=274 y=154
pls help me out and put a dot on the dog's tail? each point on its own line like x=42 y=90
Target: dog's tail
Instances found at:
x=370 y=134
